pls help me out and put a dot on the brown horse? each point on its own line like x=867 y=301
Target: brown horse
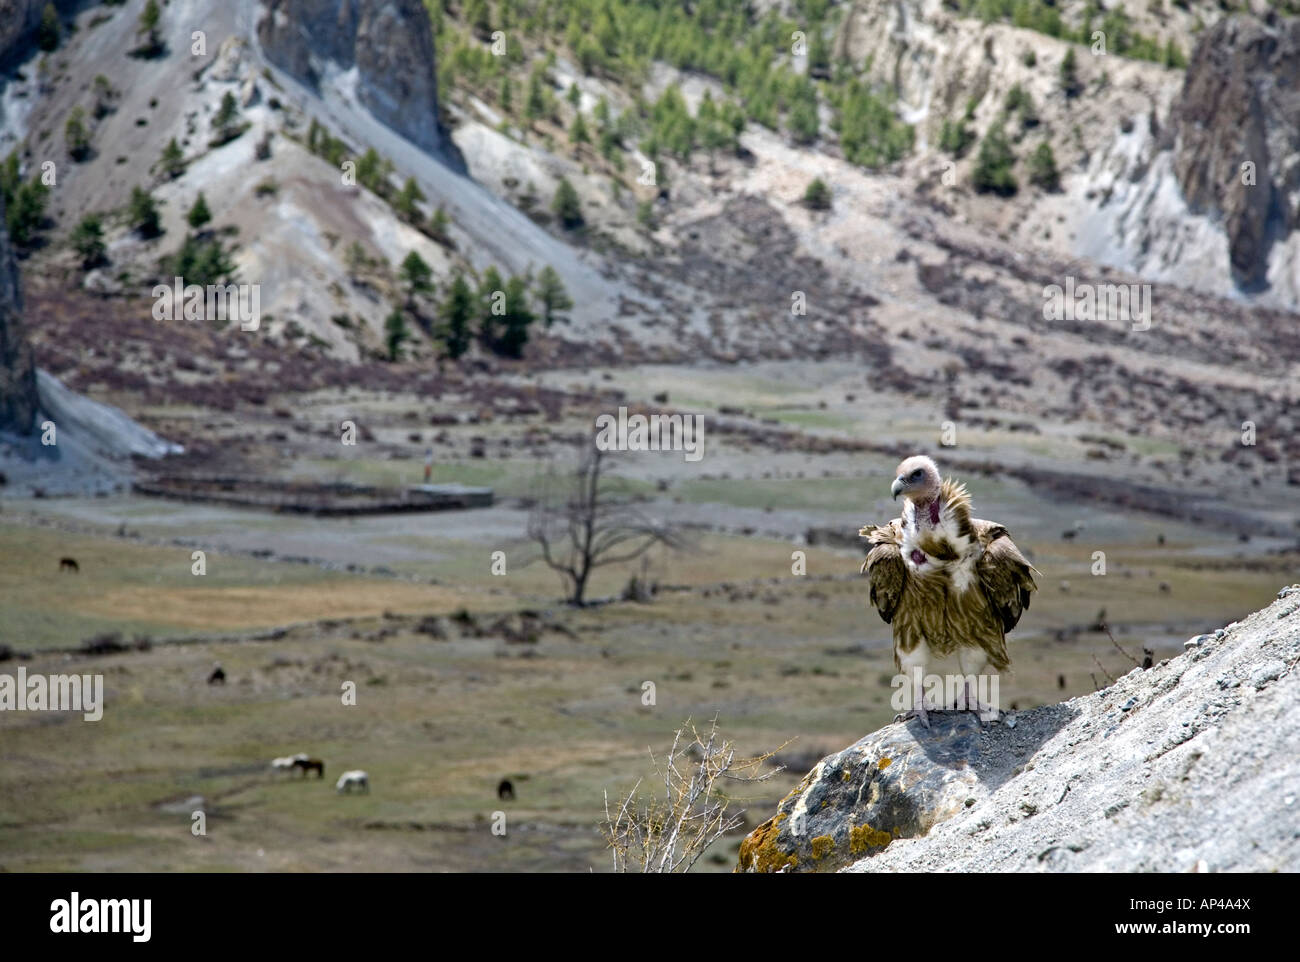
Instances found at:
x=306 y=765
x=69 y=564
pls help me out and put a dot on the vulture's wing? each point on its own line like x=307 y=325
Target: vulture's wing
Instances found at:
x=1004 y=573
x=884 y=567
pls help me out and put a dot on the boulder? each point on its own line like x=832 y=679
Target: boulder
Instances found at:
x=898 y=782
x=1193 y=764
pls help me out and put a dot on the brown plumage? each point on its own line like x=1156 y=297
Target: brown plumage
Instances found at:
x=947 y=583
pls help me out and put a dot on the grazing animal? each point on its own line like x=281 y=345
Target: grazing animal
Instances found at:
x=946 y=582
x=69 y=564
x=506 y=791
x=286 y=764
x=356 y=778
x=218 y=676
x=306 y=765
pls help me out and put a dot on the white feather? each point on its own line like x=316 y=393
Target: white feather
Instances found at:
x=968 y=550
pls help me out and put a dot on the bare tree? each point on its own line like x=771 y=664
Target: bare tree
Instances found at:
x=671 y=835
x=593 y=524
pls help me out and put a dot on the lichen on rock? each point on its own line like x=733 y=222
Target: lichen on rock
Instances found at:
x=894 y=783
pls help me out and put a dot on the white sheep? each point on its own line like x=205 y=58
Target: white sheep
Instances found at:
x=348 y=779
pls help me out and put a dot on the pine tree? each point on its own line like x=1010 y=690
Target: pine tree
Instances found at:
x=479 y=16
x=408 y=201
x=956 y=138
x=1042 y=168
x=803 y=121
x=76 y=135
x=553 y=296
x=87 y=239
x=416 y=275
x=226 y=122
x=993 y=165
x=373 y=171
x=24 y=202
x=456 y=316
x=199 y=215
x=172 y=161
x=578 y=132
x=147 y=26
x=201 y=261
x=489 y=324
x=149 y=16
x=355 y=259
x=817 y=196
x=1070 y=82
x=104 y=96
x=567 y=206
x=1173 y=55
x=50 y=30
x=589 y=55
x=396 y=333
x=438 y=225
x=535 y=105
x=518 y=317
x=25 y=211
x=142 y=213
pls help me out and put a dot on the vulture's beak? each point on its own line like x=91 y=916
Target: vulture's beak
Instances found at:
x=895 y=488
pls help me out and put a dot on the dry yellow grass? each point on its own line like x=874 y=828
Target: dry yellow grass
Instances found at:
x=235 y=608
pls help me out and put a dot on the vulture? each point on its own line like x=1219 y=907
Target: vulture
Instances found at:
x=945 y=582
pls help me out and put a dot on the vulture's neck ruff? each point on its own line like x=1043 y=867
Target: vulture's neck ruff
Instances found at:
x=938 y=536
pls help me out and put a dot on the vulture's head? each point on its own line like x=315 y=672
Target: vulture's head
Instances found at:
x=917 y=479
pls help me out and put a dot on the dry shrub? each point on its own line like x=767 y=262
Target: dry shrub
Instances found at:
x=672 y=833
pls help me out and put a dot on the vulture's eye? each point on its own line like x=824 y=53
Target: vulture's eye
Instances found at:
x=916 y=475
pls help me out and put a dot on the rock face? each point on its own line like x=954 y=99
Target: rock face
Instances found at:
x=1240 y=104
x=18 y=399
x=389 y=42
x=18 y=18
x=101 y=427
x=1191 y=765
x=890 y=784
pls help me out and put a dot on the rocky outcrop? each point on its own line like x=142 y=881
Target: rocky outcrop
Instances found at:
x=1192 y=765
x=890 y=784
x=388 y=42
x=1240 y=104
x=101 y=427
x=18 y=399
